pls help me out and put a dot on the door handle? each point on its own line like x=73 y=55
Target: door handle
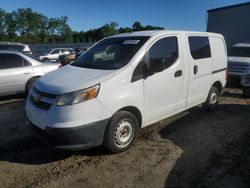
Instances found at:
x=178 y=73
x=26 y=72
x=195 y=69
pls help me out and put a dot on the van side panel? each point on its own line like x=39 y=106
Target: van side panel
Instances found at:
x=219 y=56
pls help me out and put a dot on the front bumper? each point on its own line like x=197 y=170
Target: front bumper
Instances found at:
x=76 y=138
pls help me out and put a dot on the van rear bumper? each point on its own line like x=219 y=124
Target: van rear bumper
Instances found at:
x=75 y=138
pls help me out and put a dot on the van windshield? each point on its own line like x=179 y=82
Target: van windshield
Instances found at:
x=111 y=53
x=239 y=52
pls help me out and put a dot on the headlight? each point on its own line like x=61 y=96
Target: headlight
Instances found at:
x=78 y=96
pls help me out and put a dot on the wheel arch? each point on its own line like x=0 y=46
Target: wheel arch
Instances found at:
x=30 y=80
x=218 y=85
x=135 y=111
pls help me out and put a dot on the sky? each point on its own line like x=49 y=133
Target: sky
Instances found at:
x=85 y=14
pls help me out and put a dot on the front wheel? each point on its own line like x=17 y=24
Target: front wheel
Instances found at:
x=121 y=132
x=212 y=99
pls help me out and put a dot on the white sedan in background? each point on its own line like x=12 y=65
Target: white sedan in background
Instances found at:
x=18 y=72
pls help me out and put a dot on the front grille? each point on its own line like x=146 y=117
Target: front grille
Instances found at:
x=42 y=99
x=40 y=104
x=238 y=67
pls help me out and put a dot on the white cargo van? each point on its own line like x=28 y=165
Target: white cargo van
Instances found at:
x=151 y=75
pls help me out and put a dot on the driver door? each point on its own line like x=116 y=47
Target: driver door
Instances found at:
x=164 y=87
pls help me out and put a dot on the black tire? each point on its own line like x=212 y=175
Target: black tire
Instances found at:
x=29 y=85
x=212 y=99
x=246 y=91
x=45 y=59
x=114 y=133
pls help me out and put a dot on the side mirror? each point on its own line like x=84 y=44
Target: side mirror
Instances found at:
x=157 y=65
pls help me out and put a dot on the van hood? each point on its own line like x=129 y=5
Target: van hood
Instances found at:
x=239 y=59
x=70 y=78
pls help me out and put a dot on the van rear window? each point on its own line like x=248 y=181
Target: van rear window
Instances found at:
x=199 y=47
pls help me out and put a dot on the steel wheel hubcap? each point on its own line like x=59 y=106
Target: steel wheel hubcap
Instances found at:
x=123 y=134
x=213 y=98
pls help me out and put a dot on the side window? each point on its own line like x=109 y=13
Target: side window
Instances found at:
x=26 y=62
x=8 y=61
x=199 y=47
x=55 y=52
x=160 y=56
x=4 y=47
x=164 y=52
x=17 y=47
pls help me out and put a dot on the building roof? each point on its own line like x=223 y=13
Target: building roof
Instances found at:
x=228 y=7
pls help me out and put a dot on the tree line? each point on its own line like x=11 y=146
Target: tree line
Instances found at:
x=28 y=26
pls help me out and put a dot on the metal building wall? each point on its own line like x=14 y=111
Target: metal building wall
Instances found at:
x=232 y=22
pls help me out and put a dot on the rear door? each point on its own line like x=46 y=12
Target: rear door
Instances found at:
x=14 y=73
x=200 y=76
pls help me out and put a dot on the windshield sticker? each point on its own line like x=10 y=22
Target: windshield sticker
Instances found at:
x=131 y=41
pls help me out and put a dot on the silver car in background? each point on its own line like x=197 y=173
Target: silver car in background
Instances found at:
x=245 y=82
x=54 y=54
x=15 y=46
x=239 y=60
x=18 y=72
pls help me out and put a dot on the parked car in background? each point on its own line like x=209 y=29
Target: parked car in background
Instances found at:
x=66 y=59
x=54 y=54
x=80 y=49
x=245 y=82
x=150 y=76
x=14 y=46
x=18 y=72
x=238 y=60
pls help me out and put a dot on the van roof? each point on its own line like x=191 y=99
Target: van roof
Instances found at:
x=151 y=33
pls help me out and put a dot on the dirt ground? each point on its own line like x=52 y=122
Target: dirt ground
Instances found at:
x=191 y=149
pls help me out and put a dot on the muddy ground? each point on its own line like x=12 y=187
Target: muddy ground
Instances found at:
x=191 y=149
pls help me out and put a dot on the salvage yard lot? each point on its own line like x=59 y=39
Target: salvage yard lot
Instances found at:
x=191 y=149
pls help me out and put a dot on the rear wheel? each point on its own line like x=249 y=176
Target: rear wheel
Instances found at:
x=121 y=132
x=45 y=59
x=212 y=99
x=246 y=92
